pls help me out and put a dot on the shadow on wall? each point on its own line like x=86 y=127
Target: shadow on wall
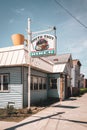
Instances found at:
x=46 y=103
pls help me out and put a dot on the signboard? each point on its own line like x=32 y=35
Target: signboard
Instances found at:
x=43 y=45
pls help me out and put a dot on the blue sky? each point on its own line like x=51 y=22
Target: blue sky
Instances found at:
x=71 y=35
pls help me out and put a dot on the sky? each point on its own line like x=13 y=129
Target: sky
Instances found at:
x=71 y=35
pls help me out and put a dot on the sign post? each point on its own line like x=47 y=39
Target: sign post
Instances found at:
x=43 y=44
x=29 y=65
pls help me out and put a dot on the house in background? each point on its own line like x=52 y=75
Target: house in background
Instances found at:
x=81 y=80
x=59 y=81
x=85 y=83
x=75 y=82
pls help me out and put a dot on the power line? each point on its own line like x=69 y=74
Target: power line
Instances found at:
x=70 y=14
x=45 y=25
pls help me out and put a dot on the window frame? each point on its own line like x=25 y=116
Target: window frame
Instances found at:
x=51 y=84
x=35 y=84
x=44 y=83
x=40 y=85
x=3 y=83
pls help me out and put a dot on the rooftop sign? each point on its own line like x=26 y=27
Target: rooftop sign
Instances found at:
x=43 y=45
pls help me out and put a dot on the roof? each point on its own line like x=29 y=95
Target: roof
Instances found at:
x=76 y=62
x=15 y=55
x=59 y=68
x=82 y=75
x=58 y=59
x=18 y=56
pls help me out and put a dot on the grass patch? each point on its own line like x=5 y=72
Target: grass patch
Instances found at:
x=83 y=90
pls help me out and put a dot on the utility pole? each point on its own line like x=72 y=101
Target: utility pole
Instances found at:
x=29 y=65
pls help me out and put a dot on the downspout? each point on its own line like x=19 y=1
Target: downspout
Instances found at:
x=61 y=87
x=22 y=81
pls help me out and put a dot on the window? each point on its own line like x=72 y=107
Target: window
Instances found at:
x=40 y=83
x=4 y=81
x=0 y=82
x=53 y=83
x=31 y=83
x=35 y=82
x=44 y=83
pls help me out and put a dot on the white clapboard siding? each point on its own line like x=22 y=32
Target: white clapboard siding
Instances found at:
x=14 y=72
x=14 y=95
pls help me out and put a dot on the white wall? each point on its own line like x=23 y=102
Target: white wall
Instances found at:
x=41 y=64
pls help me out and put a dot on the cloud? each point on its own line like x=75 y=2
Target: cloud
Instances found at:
x=72 y=37
x=11 y=20
x=79 y=48
x=76 y=50
x=85 y=44
x=19 y=11
x=79 y=51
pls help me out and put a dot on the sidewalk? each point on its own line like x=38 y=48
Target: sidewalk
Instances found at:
x=5 y=124
x=70 y=114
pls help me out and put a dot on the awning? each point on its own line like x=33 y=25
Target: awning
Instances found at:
x=59 y=68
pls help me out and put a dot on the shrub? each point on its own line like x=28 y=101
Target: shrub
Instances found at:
x=10 y=110
x=29 y=111
x=83 y=90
